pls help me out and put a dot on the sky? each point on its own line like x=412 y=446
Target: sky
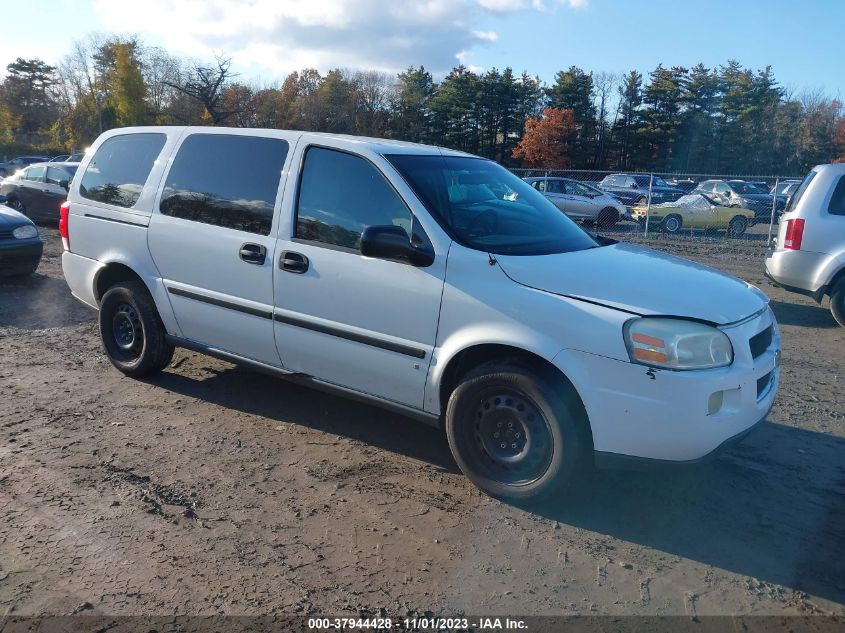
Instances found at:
x=267 y=39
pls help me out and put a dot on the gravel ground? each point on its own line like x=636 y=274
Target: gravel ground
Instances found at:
x=211 y=489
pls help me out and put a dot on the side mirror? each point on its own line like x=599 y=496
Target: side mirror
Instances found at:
x=64 y=184
x=391 y=242
x=634 y=185
x=3 y=199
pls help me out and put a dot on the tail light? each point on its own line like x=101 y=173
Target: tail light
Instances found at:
x=794 y=234
x=64 y=213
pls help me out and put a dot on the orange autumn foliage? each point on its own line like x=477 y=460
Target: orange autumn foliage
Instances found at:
x=547 y=139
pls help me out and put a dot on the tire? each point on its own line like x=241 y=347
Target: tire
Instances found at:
x=607 y=217
x=672 y=223
x=131 y=330
x=837 y=302
x=515 y=434
x=737 y=226
x=16 y=204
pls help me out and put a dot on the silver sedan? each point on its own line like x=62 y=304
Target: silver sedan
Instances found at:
x=581 y=201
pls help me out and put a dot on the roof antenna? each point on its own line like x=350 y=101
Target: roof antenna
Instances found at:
x=491 y=260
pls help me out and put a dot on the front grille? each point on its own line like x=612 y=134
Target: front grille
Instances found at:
x=6 y=234
x=763 y=384
x=759 y=343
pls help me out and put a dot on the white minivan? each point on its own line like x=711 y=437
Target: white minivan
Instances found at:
x=425 y=280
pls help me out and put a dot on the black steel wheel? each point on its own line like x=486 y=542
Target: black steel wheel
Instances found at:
x=514 y=435
x=131 y=330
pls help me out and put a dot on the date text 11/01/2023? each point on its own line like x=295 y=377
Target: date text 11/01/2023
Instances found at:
x=417 y=624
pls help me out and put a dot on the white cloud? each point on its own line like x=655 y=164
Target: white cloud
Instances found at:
x=487 y=36
x=284 y=35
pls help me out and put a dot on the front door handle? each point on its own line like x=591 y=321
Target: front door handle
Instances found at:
x=253 y=253
x=293 y=262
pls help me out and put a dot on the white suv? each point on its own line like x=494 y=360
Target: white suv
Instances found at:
x=428 y=281
x=808 y=256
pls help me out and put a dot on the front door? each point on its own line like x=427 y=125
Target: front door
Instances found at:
x=212 y=238
x=358 y=322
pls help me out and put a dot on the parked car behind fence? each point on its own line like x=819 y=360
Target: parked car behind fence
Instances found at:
x=581 y=201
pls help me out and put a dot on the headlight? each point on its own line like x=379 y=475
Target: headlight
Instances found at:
x=676 y=344
x=25 y=232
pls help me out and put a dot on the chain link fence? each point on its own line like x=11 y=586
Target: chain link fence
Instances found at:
x=650 y=205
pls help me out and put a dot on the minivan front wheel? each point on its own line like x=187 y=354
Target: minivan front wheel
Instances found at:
x=513 y=434
x=131 y=330
x=837 y=302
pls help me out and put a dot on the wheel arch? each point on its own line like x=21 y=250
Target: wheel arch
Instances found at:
x=112 y=273
x=468 y=358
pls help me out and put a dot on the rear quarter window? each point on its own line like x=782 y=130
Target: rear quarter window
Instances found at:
x=837 y=200
x=118 y=171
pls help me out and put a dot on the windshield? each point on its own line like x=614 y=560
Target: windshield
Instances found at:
x=643 y=181
x=486 y=207
x=748 y=187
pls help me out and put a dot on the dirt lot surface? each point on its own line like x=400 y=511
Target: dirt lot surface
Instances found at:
x=211 y=489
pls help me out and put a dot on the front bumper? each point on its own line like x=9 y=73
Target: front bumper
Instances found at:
x=676 y=416
x=20 y=257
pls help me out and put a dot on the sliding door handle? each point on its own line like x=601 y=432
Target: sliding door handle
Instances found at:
x=253 y=253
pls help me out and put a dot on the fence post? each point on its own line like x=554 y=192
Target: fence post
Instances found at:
x=648 y=203
x=774 y=208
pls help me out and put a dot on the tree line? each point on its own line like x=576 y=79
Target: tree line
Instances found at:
x=728 y=119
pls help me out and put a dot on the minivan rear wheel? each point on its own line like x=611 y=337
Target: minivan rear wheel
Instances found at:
x=131 y=330
x=837 y=302
x=513 y=434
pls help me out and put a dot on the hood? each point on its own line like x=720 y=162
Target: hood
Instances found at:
x=9 y=218
x=639 y=280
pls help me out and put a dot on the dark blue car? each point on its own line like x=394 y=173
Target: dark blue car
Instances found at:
x=20 y=244
x=632 y=189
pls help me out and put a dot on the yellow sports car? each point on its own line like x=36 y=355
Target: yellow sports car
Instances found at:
x=695 y=211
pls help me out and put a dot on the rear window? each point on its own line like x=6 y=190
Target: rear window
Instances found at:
x=837 y=200
x=227 y=180
x=118 y=171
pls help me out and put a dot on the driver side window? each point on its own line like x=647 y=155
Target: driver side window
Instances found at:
x=341 y=194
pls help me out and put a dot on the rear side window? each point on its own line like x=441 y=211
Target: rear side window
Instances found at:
x=34 y=173
x=802 y=188
x=226 y=180
x=837 y=200
x=57 y=176
x=340 y=195
x=118 y=171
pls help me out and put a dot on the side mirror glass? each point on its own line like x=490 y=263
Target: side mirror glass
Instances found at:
x=64 y=184
x=391 y=242
x=3 y=199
